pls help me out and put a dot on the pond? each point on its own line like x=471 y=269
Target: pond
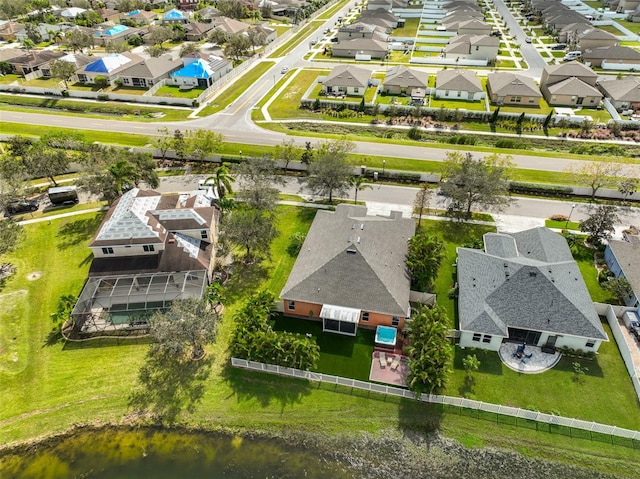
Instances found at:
x=158 y=454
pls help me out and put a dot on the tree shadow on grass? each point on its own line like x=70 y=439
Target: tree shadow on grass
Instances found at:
x=78 y=231
x=245 y=279
x=168 y=385
x=418 y=416
x=266 y=388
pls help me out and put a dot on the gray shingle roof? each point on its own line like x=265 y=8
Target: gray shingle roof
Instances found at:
x=628 y=255
x=596 y=34
x=571 y=69
x=458 y=80
x=353 y=260
x=406 y=77
x=625 y=89
x=539 y=289
x=573 y=86
x=507 y=84
x=152 y=68
x=348 y=76
x=612 y=53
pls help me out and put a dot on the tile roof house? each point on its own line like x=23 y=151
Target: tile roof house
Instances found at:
x=230 y=26
x=149 y=71
x=473 y=47
x=149 y=250
x=402 y=80
x=197 y=31
x=512 y=89
x=570 y=84
x=612 y=58
x=108 y=66
x=346 y=80
x=525 y=287
x=623 y=260
x=201 y=70
x=623 y=94
x=351 y=271
x=458 y=85
x=366 y=48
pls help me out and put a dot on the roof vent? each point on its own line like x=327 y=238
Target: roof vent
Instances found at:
x=361 y=226
x=358 y=240
x=532 y=274
x=351 y=251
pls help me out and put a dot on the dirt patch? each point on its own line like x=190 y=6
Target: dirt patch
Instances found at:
x=35 y=275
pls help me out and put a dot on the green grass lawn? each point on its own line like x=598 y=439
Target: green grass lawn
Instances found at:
x=44 y=82
x=613 y=29
x=599 y=116
x=231 y=94
x=10 y=78
x=175 y=92
x=542 y=109
x=340 y=355
x=299 y=37
x=457 y=104
x=571 y=225
x=409 y=30
x=634 y=27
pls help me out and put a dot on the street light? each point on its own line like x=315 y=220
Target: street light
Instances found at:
x=383 y=162
x=569 y=217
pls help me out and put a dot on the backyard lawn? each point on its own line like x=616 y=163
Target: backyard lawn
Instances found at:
x=457 y=104
x=175 y=92
x=410 y=28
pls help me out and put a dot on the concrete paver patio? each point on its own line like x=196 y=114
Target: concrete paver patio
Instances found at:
x=537 y=363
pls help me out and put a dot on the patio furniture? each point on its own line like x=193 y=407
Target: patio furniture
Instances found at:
x=395 y=363
x=383 y=360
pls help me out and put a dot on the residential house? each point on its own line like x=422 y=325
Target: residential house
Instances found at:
x=356 y=30
x=110 y=15
x=371 y=16
x=32 y=61
x=46 y=31
x=473 y=47
x=555 y=21
x=149 y=250
x=230 y=26
x=79 y=60
x=141 y=17
x=634 y=16
x=174 y=16
x=382 y=25
x=7 y=54
x=458 y=85
x=380 y=4
x=596 y=38
x=115 y=34
x=623 y=260
x=570 y=84
x=626 y=6
x=351 y=271
x=612 y=58
x=71 y=13
x=525 y=287
x=269 y=34
x=473 y=26
x=208 y=14
x=188 y=4
x=8 y=30
x=346 y=80
x=197 y=31
x=108 y=66
x=570 y=34
x=361 y=48
x=200 y=70
x=149 y=71
x=401 y=80
x=624 y=94
x=513 y=89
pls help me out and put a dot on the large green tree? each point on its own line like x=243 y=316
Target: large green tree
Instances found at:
x=223 y=180
x=202 y=143
x=63 y=70
x=424 y=256
x=10 y=232
x=596 y=174
x=256 y=179
x=237 y=46
x=429 y=350
x=251 y=229
x=330 y=171
x=469 y=182
x=600 y=224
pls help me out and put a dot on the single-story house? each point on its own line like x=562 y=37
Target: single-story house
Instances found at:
x=623 y=94
x=79 y=60
x=230 y=26
x=356 y=30
x=8 y=30
x=149 y=71
x=201 y=70
x=362 y=48
x=569 y=34
x=108 y=66
x=71 y=13
x=612 y=57
x=7 y=54
x=380 y=4
x=369 y=16
x=473 y=47
x=351 y=271
x=458 y=85
x=473 y=26
x=513 y=89
x=346 y=80
x=207 y=14
x=596 y=38
x=32 y=61
x=110 y=15
x=115 y=34
x=573 y=92
x=623 y=260
x=141 y=17
x=174 y=16
x=270 y=34
x=401 y=80
x=197 y=31
x=46 y=31
x=149 y=250
x=525 y=287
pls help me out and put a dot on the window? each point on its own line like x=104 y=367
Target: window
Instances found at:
x=365 y=317
x=204 y=234
x=553 y=98
x=477 y=336
x=591 y=343
x=108 y=250
x=486 y=338
x=446 y=93
x=291 y=305
x=148 y=248
x=125 y=81
x=477 y=47
x=356 y=90
x=459 y=94
x=395 y=321
x=531 y=99
x=516 y=99
x=82 y=78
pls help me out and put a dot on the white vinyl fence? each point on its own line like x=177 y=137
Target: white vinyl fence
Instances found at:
x=625 y=351
x=462 y=403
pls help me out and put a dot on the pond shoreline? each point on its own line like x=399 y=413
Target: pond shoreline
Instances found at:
x=391 y=453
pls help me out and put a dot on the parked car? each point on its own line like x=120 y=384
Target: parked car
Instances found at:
x=284 y=69
x=22 y=206
x=559 y=46
x=335 y=39
x=527 y=39
x=574 y=55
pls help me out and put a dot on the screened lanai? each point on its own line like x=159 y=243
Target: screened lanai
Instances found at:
x=338 y=319
x=121 y=302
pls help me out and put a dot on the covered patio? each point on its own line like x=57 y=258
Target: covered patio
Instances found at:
x=339 y=319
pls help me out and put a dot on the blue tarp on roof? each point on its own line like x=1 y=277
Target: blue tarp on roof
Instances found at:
x=197 y=69
x=134 y=12
x=108 y=63
x=174 y=15
x=115 y=30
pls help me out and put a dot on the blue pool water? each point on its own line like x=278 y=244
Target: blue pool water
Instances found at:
x=386 y=335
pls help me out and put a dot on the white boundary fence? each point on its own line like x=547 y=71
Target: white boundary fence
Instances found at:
x=625 y=348
x=459 y=402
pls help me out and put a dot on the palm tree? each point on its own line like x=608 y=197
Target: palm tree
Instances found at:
x=359 y=183
x=222 y=181
x=123 y=173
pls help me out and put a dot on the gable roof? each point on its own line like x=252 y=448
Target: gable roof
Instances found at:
x=406 y=78
x=152 y=67
x=625 y=89
x=507 y=84
x=627 y=254
x=597 y=34
x=174 y=14
x=347 y=76
x=35 y=57
x=197 y=69
x=573 y=86
x=458 y=80
x=526 y=280
x=571 y=69
x=612 y=53
x=354 y=260
x=230 y=25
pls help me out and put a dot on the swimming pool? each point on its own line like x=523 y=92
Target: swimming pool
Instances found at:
x=386 y=335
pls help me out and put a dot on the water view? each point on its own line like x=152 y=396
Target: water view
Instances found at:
x=158 y=454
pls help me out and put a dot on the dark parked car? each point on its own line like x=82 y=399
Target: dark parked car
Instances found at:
x=22 y=206
x=559 y=46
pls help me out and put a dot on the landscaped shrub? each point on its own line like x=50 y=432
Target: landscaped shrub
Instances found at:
x=600 y=150
x=511 y=144
x=540 y=189
x=101 y=81
x=604 y=275
x=559 y=218
x=462 y=140
x=414 y=133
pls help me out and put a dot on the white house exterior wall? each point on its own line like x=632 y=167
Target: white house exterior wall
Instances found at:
x=459 y=95
x=196 y=233
x=466 y=341
x=614 y=267
x=126 y=250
